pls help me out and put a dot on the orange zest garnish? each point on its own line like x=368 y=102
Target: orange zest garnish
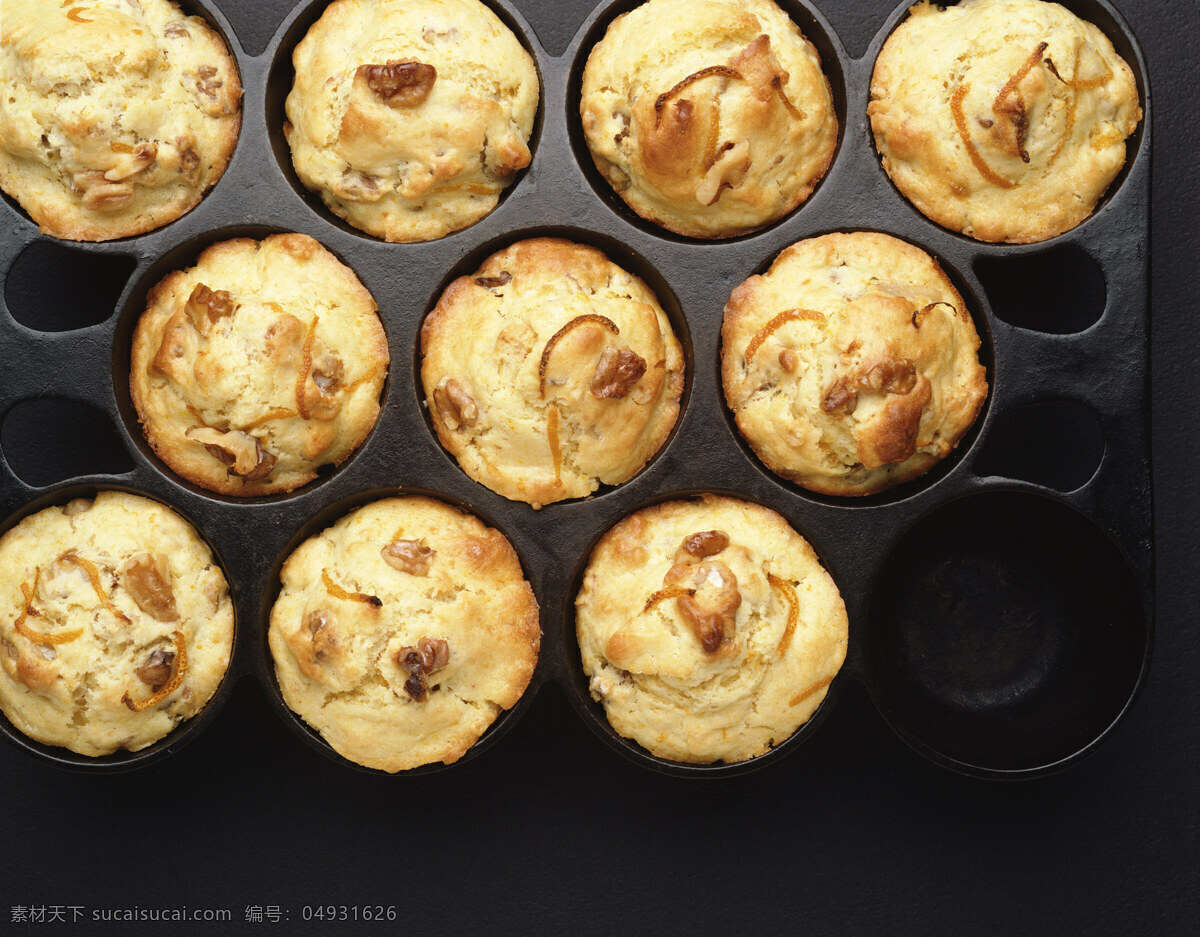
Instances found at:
x=305 y=367
x=777 y=84
x=919 y=316
x=999 y=107
x=76 y=15
x=788 y=591
x=552 y=435
x=471 y=188
x=960 y=121
x=179 y=669
x=339 y=593
x=809 y=691
x=765 y=332
x=554 y=339
x=723 y=70
x=671 y=592
x=94 y=575
x=38 y=637
x=279 y=413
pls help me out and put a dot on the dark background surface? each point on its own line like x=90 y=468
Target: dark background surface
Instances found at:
x=551 y=832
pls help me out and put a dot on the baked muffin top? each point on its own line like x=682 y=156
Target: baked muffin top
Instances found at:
x=550 y=371
x=710 y=118
x=852 y=364
x=410 y=117
x=1003 y=119
x=708 y=628
x=115 y=624
x=402 y=632
x=258 y=365
x=118 y=115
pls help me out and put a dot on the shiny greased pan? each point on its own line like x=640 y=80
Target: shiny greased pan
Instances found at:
x=1001 y=606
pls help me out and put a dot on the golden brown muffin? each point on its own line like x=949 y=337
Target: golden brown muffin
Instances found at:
x=410 y=117
x=118 y=114
x=403 y=631
x=115 y=624
x=852 y=364
x=709 y=629
x=550 y=371
x=709 y=117
x=1003 y=119
x=257 y=366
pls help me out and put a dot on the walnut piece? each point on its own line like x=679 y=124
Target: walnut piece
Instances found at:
x=492 y=283
x=243 y=453
x=702 y=544
x=400 y=83
x=157 y=669
x=455 y=403
x=189 y=159
x=408 y=556
x=205 y=306
x=177 y=31
x=105 y=196
x=705 y=589
x=207 y=81
x=788 y=361
x=133 y=162
x=142 y=576
x=616 y=372
x=890 y=376
x=429 y=656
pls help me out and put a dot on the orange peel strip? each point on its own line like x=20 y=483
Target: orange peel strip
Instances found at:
x=960 y=121
x=919 y=316
x=170 y=686
x=1019 y=75
x=554 y=339
x=777 y=84
x=279 y=413
x=671 y=592
x=38 y=637
x=94 y=575
x=809 y=691
x=788 y=591
x=76 y=15
x=764 y=333
x=339 y=593
x=305 y=367
x=723 y=70
x=555 y=447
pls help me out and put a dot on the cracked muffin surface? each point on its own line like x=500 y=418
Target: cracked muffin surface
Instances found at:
x=709 y=118
x=708 y=628
x=258 y=365
x=852 y=364
x=1003 y=119
x=403 y=631
x=410 y=117
x=550 y=371
x=117 y=114
x=115 y=624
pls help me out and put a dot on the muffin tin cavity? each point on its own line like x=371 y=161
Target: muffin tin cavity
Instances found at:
x=123 y=760
x=813 y=25
x=282 y=74
x=82 y=290
x=1059 y=291
x=1006 y=635
x=1058 y=444
x=46 y=440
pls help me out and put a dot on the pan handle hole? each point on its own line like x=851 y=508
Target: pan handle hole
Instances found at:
x=49 y=439
x=1055 y=443
x=53 y=288
x=1059 y=291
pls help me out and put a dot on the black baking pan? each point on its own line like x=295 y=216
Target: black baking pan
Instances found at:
x=1001 y=606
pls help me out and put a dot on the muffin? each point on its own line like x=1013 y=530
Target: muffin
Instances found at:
x=115 y=624
x=409 y=118
x=709 y=118
x=258 y=365
x=708 y=629
x=1003 y=119
x=852 y=364
x=403 y=631
x=550 y=371
x=118 y=116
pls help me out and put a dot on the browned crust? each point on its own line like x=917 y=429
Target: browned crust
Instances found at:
x=741 y=306
x=142 y=353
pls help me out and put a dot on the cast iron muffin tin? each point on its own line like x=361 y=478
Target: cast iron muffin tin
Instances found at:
x=1000 y=606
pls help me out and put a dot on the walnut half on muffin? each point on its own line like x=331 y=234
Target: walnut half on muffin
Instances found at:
x=258 y=365
x=852 y=364
x=550 y=371
x=410 y=118
x=117 y=116
x=709 y=118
